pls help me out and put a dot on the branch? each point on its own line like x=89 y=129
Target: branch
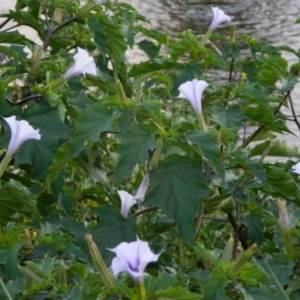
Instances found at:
x=261 y=127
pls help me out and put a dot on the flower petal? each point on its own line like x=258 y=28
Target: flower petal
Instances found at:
x=84 y=64
x=132 y=258
x=219 y=17
x=192 y=91
x=127 y=201
x=21 y=131
x=296 y=168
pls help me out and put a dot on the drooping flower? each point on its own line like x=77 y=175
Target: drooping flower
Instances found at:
x=296 y=168
x=192 y=91
x=21 y=131
x=219 y=17
x=127 y=201
x=142 y=190
x=84 y=64
x=132 y=258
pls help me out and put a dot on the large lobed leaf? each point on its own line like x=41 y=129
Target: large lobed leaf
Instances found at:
x=177 y=186
x=134 y=149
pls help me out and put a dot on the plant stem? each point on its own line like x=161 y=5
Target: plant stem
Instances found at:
x=141 y=291
x=205 y=38
x=4 y=163
x=201 y=121
x=5 y=289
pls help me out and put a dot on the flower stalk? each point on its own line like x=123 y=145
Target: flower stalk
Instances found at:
x=99 y=263
x=141 y=291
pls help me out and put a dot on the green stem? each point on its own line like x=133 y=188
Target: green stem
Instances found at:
x=55 y=84
x=4 y=164
x=5 y=289
x=141 y=291
x=201 y=121
x=287 y=242
x=205 y=38
x=285 y=296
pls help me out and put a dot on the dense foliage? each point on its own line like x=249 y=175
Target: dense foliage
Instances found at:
x=221 y=209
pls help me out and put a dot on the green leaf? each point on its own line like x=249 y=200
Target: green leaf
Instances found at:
x=14 y=200
x=254 y=223
x=161 y=282
x=116 y=43
x=39 y=154
x=112 y=230
x=260 y=113
x=27 y=19
x=227 y=118
x=14 y=37
x=149 y=48
x=177 y=186
x=95 y=120
x=135 y=144
x=209 y=148
x=214 y=288
x=283 y=185
x=282 y=269
x=186 y=72
x=9 y=260
x=275 y=148
x=60 y=160
x=262 y=293
x=176 y=293
x=12 y=53
x=150 y=67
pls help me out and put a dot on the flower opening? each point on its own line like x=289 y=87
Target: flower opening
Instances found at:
x=84 y=64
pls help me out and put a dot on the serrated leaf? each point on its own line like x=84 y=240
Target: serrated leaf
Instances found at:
x=262 y=293
x=260 y=113
x=282 y=183
x=161 y=282
x=27 y=19
x=39 y=154
x=14 y=200
x=14 y=37
x=135 y=144
x=9 y=260
x=60 y=160
x=275 y=148
x=176 y=293
x=112 y=230
x=209 y=148
x=12 y=53
x=254 y=223
x=150 y=67
x=95 y=120
x=227 y=118
x=214 y=288
x=177 y=185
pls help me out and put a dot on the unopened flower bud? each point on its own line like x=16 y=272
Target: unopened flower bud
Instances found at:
x=283 y=215
x=98 y=261
x=243 y=259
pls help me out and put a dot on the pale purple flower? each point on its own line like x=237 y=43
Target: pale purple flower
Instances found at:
x=219 y=17
x=192 y=91
x=84 y=64
x=101 y=1
x=142 y=189
x=132 y=258
x=21 y=131
x=296 y=168
x=127 y=201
